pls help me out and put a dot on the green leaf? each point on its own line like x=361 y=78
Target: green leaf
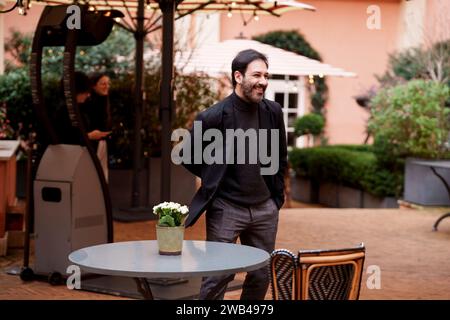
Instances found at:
x=166 y=221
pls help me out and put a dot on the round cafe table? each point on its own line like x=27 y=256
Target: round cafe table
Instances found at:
x=141 y=260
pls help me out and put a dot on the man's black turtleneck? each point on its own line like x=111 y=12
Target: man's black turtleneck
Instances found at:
x=243 y=183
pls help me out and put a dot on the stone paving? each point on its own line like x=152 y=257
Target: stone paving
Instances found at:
x=414 y=260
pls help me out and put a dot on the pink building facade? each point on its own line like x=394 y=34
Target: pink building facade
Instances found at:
x=356 y=35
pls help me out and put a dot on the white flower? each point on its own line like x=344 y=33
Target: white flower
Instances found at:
x=155 y=208
x=184 y=210
x=173 y=206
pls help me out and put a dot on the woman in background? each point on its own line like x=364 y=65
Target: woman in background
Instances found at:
x=98 y=117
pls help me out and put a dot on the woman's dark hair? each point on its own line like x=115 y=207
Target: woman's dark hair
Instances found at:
x=96 y=76
x=243 y=59
x=82 y=83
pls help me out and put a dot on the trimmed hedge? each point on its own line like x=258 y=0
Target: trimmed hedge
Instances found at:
x=352 y=166
x=352 y=147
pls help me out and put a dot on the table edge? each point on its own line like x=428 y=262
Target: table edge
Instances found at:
x=111 y=272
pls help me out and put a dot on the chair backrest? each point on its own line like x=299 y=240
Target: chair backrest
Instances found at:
x=330 y=274
x=283 y=274
x=317 y=274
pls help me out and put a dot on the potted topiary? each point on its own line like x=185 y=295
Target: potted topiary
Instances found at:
x=310 y=124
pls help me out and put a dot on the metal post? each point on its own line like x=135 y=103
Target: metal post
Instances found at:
x=138 y=98
x=166 y=94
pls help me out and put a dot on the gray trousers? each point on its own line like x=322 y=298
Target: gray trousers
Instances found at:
x=255 y=226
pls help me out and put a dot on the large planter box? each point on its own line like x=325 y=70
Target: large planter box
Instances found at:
x=328 y=194
x=350 y=197
x=337 y=196
x=422 y=186
x=120 y=185
x=370 y=201
x=304 y=190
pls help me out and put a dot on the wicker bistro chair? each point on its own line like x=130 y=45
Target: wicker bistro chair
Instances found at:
x=317 y=274
x=283 y=274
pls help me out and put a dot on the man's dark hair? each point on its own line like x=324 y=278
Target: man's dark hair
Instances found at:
x=243 y=59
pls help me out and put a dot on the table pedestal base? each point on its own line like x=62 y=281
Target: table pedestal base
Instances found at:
x=447 y=187
x=144 y=288
x=439 y=220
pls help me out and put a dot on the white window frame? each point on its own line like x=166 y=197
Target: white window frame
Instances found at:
x=287 y=86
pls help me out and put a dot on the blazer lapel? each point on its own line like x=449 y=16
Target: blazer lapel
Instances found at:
x=267 y=122
x=227 y=116
x=265 y=116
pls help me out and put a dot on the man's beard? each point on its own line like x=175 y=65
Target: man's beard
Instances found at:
x=247 y=91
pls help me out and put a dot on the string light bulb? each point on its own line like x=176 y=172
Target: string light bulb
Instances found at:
x=229 y=14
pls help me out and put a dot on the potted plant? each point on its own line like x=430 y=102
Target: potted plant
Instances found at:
x=409 y=122
x=170 y=227
x=311 y=124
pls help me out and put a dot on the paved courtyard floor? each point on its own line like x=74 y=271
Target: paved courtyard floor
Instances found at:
x=414 y=260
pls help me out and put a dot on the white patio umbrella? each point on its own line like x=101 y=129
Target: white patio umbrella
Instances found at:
x=215 y=59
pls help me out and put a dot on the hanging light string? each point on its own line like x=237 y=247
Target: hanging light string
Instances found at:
x=10 y=9
x=252 y=17
x=21 y=7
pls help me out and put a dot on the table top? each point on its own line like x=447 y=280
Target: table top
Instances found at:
x=141 y=259
x=436 y=164
x=8 y=148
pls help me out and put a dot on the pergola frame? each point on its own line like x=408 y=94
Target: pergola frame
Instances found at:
x=143 y=18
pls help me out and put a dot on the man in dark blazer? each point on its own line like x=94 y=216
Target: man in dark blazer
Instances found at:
x=241 y=200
